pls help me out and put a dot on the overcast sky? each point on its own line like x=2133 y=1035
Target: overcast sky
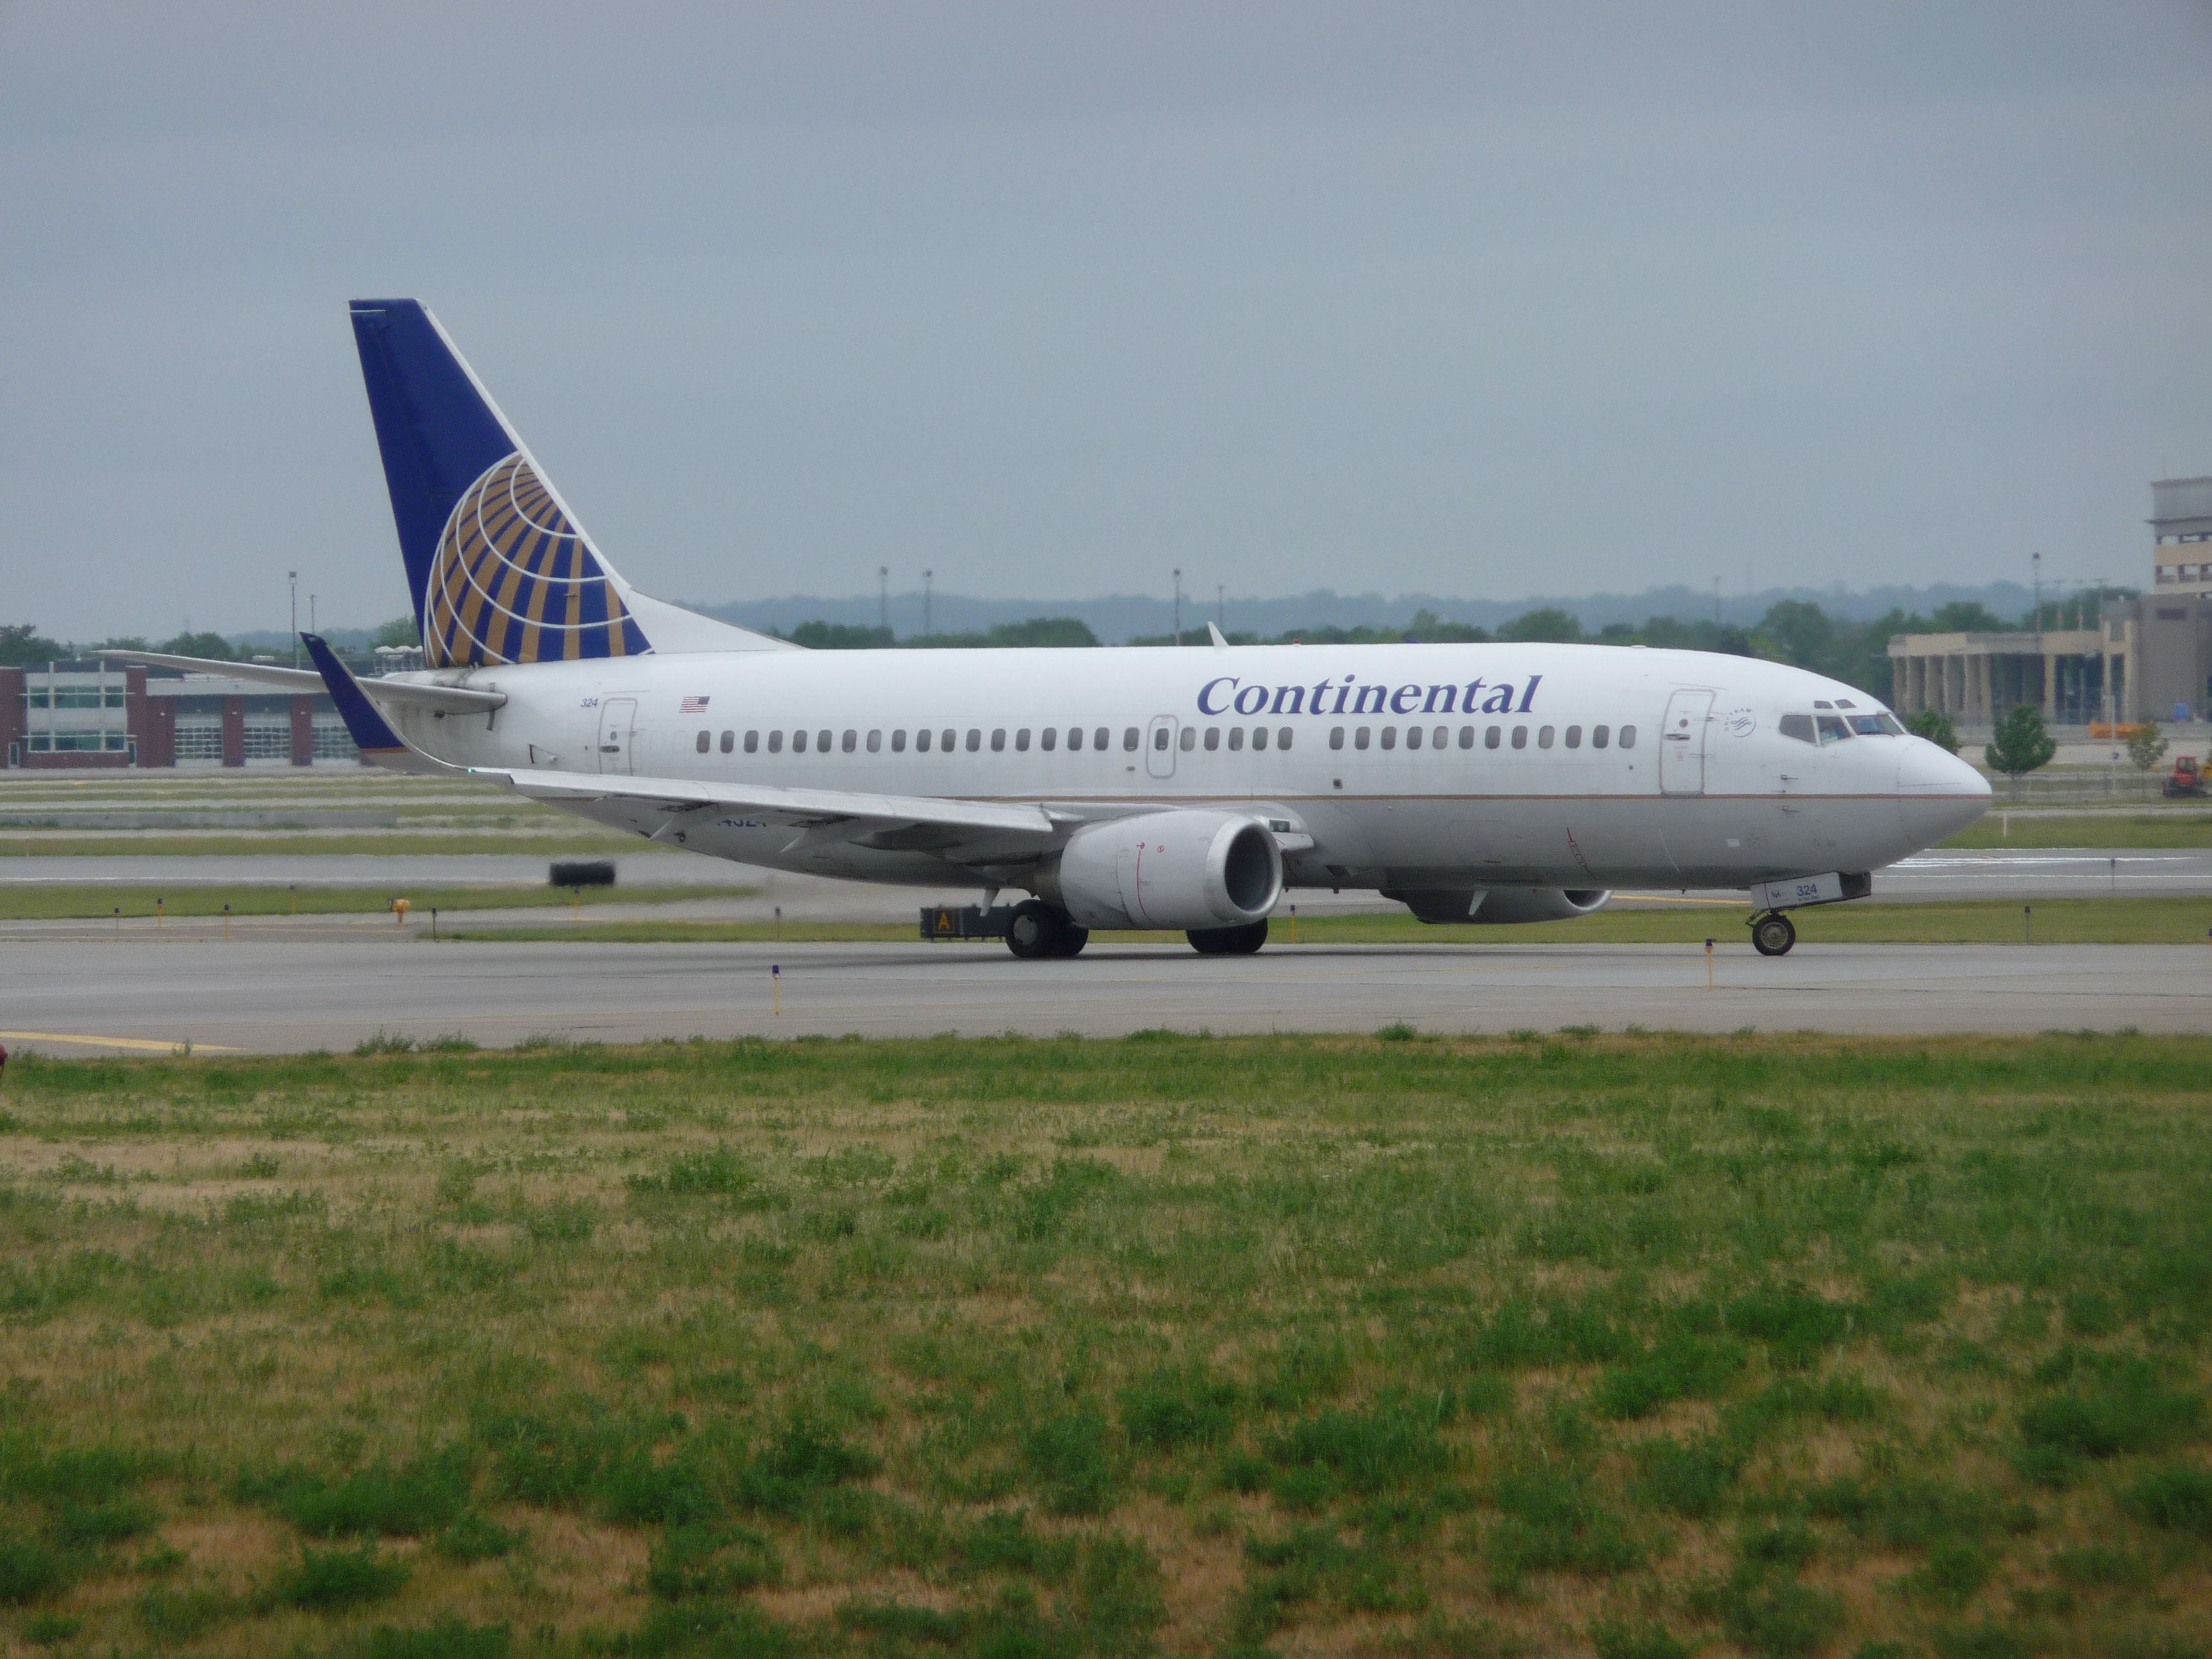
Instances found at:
x=1485 y=301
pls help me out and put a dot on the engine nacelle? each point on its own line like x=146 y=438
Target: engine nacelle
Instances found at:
x=1178 y=869
x=1501 y=904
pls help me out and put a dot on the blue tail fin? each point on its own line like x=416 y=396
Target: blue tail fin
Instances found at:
x=498 y=570
x=371 y=733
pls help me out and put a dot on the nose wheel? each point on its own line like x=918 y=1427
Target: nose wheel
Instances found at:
x=1772 y=934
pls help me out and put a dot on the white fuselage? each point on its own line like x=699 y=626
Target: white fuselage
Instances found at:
x=1408 y=766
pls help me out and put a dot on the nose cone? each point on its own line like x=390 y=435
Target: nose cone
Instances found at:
x=1939 y=795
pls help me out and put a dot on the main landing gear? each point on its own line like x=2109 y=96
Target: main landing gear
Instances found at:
x=1772 y=934
x=1036 y=931
x=1229 y=941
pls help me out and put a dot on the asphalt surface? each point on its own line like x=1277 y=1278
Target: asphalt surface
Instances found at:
x=2085 y=872
x=254 y=994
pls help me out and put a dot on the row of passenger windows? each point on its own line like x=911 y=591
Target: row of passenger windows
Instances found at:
x=1100 y=738
x=947 y=740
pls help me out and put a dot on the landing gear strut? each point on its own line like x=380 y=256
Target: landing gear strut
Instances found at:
x=1228 y=941
x=1772 y=934
x=1035 y=931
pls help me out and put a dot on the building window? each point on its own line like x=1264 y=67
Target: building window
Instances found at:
x=331 y=741
x=268 y=741
x=199 y=740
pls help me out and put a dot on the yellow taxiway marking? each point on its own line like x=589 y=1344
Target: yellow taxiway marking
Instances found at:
x=146 y=1043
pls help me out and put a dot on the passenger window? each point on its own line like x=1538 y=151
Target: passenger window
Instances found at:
x=1022 y=740
x=729 y=741
x=1628 y=736
x=1389 y=736
x=1598 y=736
x=1493 y=737
x=1190 y=739
x=1258 y=736
x=1283 y=738
x=852 y=741
x=1832 y=729
x=1128 y=740
x=1359 y=739
x=822 y=741
x=875 y=743
x=1412 y=736
x=705 y=740
x=921 y=741
x=1436 y=739
x=753 y=743
x=945 y=741
x=799 y=743
x=1336 y=736
x=1213 y=737
x=898 y=741
x=975 y=739
x=1049 y=738
x=998 y=741
x=1098 y=738
x=1574 y=736
x=1075 y=736
x=1467 y=737
x=775 y=743
x=1236 y=736
x=1544 y=737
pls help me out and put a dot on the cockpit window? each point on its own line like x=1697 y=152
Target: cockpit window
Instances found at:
x=1889 y=724
x=1869 y=725
x=1832 y=729
x=1846 y=702
x=1799 y=726
x=1824 y=705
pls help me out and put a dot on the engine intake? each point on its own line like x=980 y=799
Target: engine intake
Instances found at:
x=1500 y=904
x=1169 y=870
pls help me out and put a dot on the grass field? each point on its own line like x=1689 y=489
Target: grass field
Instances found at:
x=41 y=904
x=424 y=843
x=1993 y=921
x=2125 y=831
x=1635 y=1346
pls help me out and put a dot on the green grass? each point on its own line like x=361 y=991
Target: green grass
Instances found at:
x=438 y=844
x=2190 y=827
x=41 y=904
x=1983 y=922
x=1639 y=1345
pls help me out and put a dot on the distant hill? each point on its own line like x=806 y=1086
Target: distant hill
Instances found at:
x=1121 y=616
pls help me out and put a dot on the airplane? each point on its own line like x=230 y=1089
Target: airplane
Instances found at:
x=1122 y=789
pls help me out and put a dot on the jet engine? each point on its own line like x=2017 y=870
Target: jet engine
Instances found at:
x=1501 y=904
x=1171 y=869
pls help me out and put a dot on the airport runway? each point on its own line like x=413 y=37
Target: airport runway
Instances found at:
x=2050 y=872
x=273 y=996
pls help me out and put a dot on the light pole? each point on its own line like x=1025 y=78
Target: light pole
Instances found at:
x=884 y=600
x=1221 y=606
x=927 y=630
x=293 y=577
x=1178 y=604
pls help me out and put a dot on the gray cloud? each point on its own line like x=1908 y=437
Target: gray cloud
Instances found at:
x=1446 y=298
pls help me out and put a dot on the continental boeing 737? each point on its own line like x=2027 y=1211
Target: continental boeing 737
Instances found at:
x=1124 y=788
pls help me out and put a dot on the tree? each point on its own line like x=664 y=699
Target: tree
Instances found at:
x=200 y=645
x=1548 y=625
x=839 y=636
x=1934 y=724
x=2146 y=746
x=400 y=630
x=2021 y=744
x=21 y=646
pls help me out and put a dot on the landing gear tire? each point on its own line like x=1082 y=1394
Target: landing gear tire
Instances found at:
x=1772 y=934
x=1229 y=941
x=1036 y=932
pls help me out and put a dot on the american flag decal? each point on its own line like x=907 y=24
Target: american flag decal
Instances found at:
x=696 y=705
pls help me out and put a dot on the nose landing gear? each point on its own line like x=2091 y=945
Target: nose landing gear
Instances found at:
x=1772 y=934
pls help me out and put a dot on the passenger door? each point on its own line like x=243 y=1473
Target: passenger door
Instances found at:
x=1682 y=743
x=618 y=729
x=1160 y=746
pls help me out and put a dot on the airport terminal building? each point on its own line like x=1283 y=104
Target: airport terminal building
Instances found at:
x=89 y=712
x=2147 y=658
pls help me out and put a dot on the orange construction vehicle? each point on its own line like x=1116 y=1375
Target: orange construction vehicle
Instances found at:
x=2187 y=778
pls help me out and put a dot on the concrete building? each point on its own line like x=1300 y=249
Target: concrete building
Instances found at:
x=91 y=713
x=2147 y=658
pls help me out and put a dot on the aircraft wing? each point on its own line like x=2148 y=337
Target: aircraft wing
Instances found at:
x=817 y=814
x=402 y=694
